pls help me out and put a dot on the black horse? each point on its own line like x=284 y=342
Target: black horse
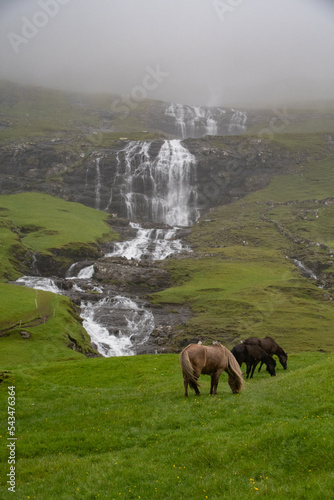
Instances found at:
x=269 y=345
x=252 y=355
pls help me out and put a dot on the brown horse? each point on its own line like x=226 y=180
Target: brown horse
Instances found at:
x=252 y=355
x=269 y=345
x=209 y=360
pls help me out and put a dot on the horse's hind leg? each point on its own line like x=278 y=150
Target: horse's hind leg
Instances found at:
x=194 y=385
x=185 y=381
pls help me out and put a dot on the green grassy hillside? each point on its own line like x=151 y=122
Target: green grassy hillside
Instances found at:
x=36 y=112
x=38 y=326
x=242 y=280
x=63 y=232
x=121 y=428
x=35 y=222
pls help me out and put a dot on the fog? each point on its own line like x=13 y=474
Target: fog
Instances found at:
x=204 y=52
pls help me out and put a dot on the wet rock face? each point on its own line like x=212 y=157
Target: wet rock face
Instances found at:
x=130 y=275
x=226 y=168
x=118 y=294
x=183 y=121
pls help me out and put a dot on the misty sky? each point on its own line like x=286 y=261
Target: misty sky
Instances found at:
x=205 y=52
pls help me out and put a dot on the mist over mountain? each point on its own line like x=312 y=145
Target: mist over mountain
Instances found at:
x=232 y=52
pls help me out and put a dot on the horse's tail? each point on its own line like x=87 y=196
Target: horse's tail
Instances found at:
x=187 y=370
x=235 y=379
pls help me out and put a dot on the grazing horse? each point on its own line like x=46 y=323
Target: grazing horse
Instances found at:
x=271 y=347
x=209 y=360
x=252 y=355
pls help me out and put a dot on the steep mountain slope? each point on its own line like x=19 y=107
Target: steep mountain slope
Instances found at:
x=262 y=247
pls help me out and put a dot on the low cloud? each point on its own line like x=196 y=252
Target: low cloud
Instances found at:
x=215 y=52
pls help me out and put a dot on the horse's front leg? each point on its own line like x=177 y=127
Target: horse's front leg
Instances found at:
x=260 y=365
x=253 y=368
x=214 y=382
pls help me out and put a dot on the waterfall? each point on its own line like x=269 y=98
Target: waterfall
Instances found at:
x=161 y=189
x=86 y=273
x=39 y=283
x=154 y=244
x=192 y=121
x=211 y=127
x=98 y=184
x=198 y=121
x=238 y=121
x=178 y=111
x=133 y=327
x=307 y=271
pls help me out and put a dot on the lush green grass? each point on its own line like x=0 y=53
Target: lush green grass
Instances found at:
x=35 y=222
x=51 y=320
x=241 y=297
x=46 y=222
x=121 y=428
x=9 y=248
x=314 y=181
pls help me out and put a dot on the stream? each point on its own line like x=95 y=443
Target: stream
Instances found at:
x=121 y=324
x=156 y=189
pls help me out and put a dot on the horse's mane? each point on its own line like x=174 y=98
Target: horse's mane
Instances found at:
x=235 y=381
x=279 y=348
x=281 y=351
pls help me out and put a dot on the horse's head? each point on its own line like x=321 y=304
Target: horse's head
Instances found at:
x=283 y=358
x=271 y=367
x=235 y=384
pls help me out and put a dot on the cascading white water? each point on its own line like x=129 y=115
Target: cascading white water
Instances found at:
x=155 y=244
x=131 y=331
x=163 y=188
x=86 y=273
x=159 y=189
x=133 y=328
x=178 y=112
x=211 y=127
x=197 y=121
x=307 y=271
x=238 y=122
x=39 y=283
x=193 y=121
x=98 y=184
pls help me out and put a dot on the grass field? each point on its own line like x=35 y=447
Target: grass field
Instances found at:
x=36 y=222
x=121 y=428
